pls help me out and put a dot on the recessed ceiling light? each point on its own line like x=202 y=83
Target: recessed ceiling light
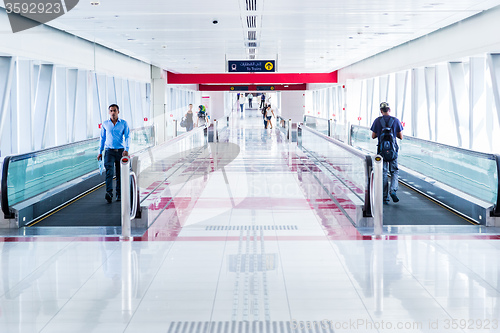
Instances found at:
x=95 y=3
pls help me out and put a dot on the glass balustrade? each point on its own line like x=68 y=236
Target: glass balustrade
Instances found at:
x=350 y=167
x=471 y=172
x=172 y=160
x=31 y=174
x=318 y=124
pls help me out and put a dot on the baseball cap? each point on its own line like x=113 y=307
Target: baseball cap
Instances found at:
x=384 y=105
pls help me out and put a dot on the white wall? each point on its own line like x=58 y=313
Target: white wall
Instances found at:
x=214 y=104
x=292 y=105
x=475 y=35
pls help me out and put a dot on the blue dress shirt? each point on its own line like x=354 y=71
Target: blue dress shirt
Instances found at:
x=114 y=136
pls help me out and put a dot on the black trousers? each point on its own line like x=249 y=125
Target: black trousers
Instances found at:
x=112 y=159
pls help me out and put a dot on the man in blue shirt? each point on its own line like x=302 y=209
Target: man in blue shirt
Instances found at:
x=115 y=142
x=392 y=166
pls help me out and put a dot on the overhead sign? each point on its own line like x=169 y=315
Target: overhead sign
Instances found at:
x=247 y=88
x=265 y=87
x=239 y=88
x=251 y=66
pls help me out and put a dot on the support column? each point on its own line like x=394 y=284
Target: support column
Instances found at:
x=460 y=103
x=494 y=65
x=292 y=105
x=7 y=68
x=430 y=94
x=158 y=86
x=478 y=131
x=43 y=96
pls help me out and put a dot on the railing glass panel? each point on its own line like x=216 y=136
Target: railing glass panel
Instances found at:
x=141 y=138
x=471 y=172
x=351 y=167
x=318 y=124
x=339 y=131
x=171 y=163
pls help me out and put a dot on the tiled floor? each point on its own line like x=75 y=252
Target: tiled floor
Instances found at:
x=250 y=248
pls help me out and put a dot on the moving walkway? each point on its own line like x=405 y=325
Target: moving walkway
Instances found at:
x=439 y=184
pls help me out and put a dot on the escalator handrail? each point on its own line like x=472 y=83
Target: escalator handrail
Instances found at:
x=496 y=209
x=6 y=209
x=437 y=144
x=5 y=198
x=496 y=157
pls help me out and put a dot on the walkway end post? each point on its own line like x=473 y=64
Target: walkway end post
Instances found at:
x=377 y=205
x=125 y=195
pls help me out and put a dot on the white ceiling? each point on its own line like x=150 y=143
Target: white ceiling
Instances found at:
x=303 y=36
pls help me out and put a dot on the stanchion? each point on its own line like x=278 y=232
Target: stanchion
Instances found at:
x=175 y=128
x=216 y=134
x=289 y=131
x=125 y=195
x=376 y=196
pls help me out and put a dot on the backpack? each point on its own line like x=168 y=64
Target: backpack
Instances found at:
x=387 y=147
x=202 y=113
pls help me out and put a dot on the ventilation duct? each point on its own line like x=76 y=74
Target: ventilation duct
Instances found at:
x=252 y=21
x=251 y=5
x=252 y=35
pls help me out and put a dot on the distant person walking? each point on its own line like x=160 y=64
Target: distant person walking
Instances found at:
x=250 y=98
x=202 y=116
x=189 y=118
x=264 y=110
x=269 y=115
x=387 y=129
x=115 y=144
x=242 y=101
x=262 y=100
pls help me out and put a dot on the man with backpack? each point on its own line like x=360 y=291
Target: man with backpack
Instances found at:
x=387 y=129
